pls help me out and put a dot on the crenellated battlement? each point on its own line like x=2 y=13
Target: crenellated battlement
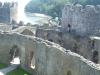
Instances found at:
x=83 y=20
x=79 y=7
x=8 y=4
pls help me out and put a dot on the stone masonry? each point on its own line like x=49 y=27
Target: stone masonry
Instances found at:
x=8 y=12
x=85 y=20
x=50 y=58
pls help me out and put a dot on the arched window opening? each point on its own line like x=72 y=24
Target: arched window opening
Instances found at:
x=69 y=28
x=93 y=43
x=14 y=55
x=95 y=57
x=51 y=40
x=32 y=60
x=69 y=73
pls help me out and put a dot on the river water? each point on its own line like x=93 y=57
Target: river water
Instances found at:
x=34 y=18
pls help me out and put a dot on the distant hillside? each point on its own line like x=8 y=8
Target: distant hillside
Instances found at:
x=53 y=7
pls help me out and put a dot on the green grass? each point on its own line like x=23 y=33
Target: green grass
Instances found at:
x=18 y=71
x=2 y=66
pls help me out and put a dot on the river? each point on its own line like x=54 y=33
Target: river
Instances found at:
x=34 y=18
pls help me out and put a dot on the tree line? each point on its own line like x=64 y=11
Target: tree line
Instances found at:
x=54 y=7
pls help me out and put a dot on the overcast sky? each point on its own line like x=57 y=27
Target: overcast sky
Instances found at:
x=21 y=3
x=15 y=0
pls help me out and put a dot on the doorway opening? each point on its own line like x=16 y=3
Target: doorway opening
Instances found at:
x=32 y=60
x=69 y=28
x=14 y=55
x=95 y=57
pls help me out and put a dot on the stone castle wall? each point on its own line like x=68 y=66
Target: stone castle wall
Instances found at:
x=85 y=20
x=50 y=58
x=8 y=12
x=83 y=45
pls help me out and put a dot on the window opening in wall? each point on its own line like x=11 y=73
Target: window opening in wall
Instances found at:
x=95 y=57
x=69 y=73
x=32 y=60
x=92 y=42
x=69 y=28
x=51 y=40
x=14 y=55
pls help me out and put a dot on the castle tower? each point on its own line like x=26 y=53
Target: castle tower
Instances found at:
x=84 y=21
x=8 y=12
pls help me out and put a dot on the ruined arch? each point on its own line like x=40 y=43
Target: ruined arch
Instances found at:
x=14 y=54
x=27 y=32
x=95 y=57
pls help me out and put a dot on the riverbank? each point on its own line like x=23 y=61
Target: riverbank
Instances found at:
x=36 y=18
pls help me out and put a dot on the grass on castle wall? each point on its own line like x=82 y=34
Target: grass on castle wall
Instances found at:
x=18 y=71
x=2 y=66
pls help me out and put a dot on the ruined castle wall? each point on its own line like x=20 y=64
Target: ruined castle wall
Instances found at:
x=13 y=12
x=4 y=15
x=66 y=16
x=78 y=44
x=83 y=45
x=5 y=27
x=8 y=12
x=82 y=20
x=24 y=44
x=96 y=47
x=50 y=58
x=46 y=34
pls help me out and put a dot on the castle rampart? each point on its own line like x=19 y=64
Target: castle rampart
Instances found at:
x=85 y=20
x=8 y=12
x=50 y=58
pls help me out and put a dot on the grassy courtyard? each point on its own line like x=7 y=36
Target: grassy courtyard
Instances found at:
x=2 y=66
x=18 y=71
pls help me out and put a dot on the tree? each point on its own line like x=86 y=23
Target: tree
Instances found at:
x=54 y=7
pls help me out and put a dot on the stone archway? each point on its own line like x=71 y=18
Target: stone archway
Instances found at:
x=27 y=32
x=14 y=55
x=95 y=57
